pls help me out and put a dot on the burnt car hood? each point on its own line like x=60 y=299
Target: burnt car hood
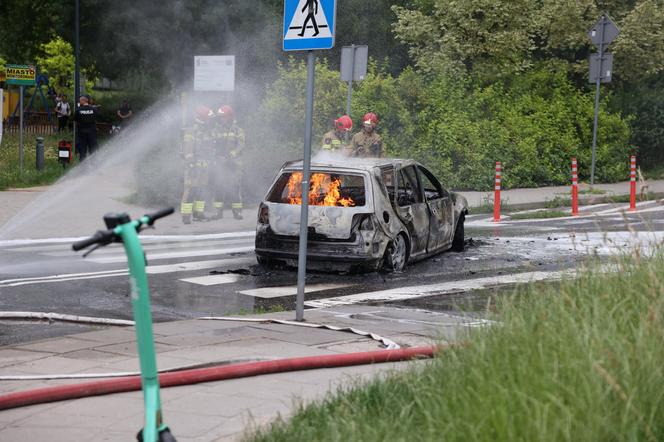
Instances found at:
x=331 y=222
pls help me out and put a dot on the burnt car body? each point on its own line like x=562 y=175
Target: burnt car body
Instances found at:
x=370 y=213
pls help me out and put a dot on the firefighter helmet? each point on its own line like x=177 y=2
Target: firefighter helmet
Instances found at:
x=343 y=123
x=203 y=114
x=225 y=112
x=370 y=119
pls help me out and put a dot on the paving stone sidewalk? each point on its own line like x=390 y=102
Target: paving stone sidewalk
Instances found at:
x=213 y=411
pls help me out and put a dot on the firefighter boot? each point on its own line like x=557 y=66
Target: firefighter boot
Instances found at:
x=218 y=210
x=237 y=210
x=199 y=210
x=186 y=210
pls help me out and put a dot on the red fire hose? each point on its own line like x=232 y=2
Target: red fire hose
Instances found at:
x=209 y=374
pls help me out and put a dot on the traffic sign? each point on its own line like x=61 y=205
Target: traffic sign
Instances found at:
x=309 y=24
x=354 y=62
x=605 y=64
x=605 y=36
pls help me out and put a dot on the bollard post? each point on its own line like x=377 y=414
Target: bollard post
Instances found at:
x=40 y=153
x=496 y=196
x=632 y=183
x=575 y=189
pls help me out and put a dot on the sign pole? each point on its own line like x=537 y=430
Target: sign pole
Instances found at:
x=597 y=83
x=20 y=131
x=304 y=207
x=350 y=81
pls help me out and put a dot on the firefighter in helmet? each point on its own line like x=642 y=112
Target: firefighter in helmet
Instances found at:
x=367 y=143
x=229 y=142
x=335 y=140
x=197 y=154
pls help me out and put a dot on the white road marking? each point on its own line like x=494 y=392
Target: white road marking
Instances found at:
x=213 y=279
x=403 y=293
x=289 y=290
x=149 y=248
x=151 y=270
x=144 y=238
x=171 y=255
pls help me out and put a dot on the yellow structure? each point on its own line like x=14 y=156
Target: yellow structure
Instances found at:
x=9 y=101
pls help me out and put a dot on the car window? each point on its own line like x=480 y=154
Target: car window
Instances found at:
x=387 y=179
x=408 y=187
x=325 y=189
x=432 y=188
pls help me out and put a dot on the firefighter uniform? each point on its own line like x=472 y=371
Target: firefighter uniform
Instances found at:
x=367 y=145
x=229 y=143
x=332 y=142
x=198 y=155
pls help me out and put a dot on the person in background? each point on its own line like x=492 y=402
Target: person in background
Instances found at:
x=335 y=140
x=229 y=144
x=124 y=113
x=86 y=120
x=62 y=111
x=367 y=143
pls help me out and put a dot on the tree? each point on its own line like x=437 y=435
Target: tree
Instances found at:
x=57 y=61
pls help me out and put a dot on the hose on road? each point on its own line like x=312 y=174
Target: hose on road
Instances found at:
x=210 y=374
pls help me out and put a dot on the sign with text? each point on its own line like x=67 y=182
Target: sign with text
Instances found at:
x=215 y=73
x=21 y=74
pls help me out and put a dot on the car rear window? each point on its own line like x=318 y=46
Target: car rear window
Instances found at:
x=325 y=189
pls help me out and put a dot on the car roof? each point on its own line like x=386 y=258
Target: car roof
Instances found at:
x=337 y=162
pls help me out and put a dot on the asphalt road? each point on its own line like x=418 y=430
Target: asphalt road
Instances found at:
x=214 y=274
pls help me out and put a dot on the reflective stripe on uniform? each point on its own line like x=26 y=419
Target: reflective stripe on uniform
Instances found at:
x=237 y=205
x=218 y=205
x=187 y=208
x=199 y=206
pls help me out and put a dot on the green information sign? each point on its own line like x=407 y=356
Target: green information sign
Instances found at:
x=21 y=74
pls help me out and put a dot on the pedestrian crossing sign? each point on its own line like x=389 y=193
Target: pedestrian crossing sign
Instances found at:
x=309 y=24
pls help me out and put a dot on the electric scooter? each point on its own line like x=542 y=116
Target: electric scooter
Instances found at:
x=122 y=229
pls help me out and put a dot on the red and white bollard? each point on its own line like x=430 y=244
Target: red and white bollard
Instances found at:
x=496 y=196
x=632 y=184
x=575 y=189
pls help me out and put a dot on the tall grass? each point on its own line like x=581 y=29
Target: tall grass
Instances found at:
x=10 y=174
x=581 y=361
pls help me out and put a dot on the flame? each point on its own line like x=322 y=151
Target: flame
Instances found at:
x=323 y=191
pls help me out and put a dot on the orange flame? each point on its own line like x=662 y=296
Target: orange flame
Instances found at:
x=323 y=191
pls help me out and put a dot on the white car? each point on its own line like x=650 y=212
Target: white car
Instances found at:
x=366 y=212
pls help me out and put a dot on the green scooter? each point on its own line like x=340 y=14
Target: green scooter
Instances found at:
x=122 y=229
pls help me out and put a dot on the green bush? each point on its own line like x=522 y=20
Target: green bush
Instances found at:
x=533 y=123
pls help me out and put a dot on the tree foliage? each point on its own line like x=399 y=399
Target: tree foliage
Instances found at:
x=57 y=61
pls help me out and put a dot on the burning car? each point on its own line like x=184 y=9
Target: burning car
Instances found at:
x=371 y=213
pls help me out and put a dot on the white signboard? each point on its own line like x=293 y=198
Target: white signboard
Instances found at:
x=214 y=73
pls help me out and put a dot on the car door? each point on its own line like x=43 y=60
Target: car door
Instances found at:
x=441 y=211
x=412 y=210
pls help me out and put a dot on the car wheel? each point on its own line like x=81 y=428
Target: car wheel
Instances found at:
x=458 y=243
x=396 y=254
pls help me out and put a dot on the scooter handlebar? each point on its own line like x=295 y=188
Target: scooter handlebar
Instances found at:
x=159 y=214
x=101 y=237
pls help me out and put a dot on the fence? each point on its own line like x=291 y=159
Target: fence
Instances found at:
x=33 y=123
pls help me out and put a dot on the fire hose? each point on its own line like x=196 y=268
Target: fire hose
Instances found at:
x=210 y=374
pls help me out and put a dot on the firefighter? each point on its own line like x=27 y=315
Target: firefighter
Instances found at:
x=336 y=139
x=367 y=143
x=229 y=142
x=197 y=153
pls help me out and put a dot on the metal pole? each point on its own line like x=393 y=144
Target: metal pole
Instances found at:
x=77 y=68
x=350 y=81
x=304 y=207
x=599 y=79
x=20 y=131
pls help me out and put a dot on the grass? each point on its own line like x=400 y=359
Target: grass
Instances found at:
x=592 y=191
x=487 y=205
x=581 y=360
x=10 y=175
x=540 y=214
